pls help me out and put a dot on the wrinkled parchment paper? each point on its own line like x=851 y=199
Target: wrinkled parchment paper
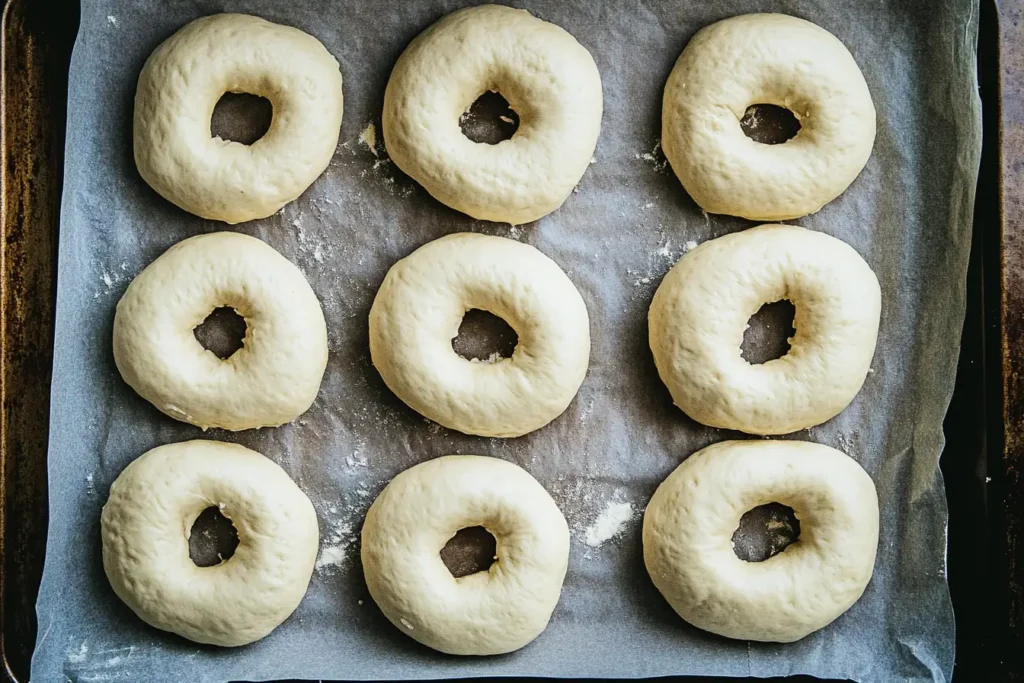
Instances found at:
x=909 y=214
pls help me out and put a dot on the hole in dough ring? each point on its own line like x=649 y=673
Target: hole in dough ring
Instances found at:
x=701 y=309
x=486 y=613
x=417 y=312
x=766 y=59
x=271 y=380
x=548 y=78
x=689 y=523
x=145 y=528
x=180 y=85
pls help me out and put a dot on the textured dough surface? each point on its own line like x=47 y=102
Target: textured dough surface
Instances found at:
x=183 y=80
x=766 y=59
x=489 y=612
x=276 y=374
x=145 y=527
x=546 y=76
x=417 y=313
x=701 y=309
x=689 y=523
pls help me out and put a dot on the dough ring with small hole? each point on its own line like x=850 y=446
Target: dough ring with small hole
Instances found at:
x=490 y=612
x=548 y=79
x=766 y=59
x=145 y=527
x=701 y=309
x=183 y=80
x=689 y=523
x=271 y=380
x=417 y=312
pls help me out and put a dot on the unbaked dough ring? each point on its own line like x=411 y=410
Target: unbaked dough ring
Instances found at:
x=689 y=523
x=701 y=309
x=766 y=59
x=486 y=613
x=271 y=380
x=417 y=313
x=182 y=82
x=548 y=78
x=145 y=527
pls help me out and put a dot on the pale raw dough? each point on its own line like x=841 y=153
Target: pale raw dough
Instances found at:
x=271 y=380
x=766 y=59
x=486 y=613
x=548 y=78
x=701 y=309
x=145 y=527
x=183 y=80
x=417 y=313
x=689 y=523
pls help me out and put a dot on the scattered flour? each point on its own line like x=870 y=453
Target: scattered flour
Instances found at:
x=515 y=231
x=609 y=524
x=586 y=411
x=691 y=244
x=338 y=538
x=368 y=138
x=79 y=657
x=112 y=20
x=493 y=358
x=357 y=459
x=112 y=278
x=846 y=444
x=331 y=555
x=655 y=158
x=90 y=488
x=310 y=244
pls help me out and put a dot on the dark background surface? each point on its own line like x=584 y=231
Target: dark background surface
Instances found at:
x=985 y=492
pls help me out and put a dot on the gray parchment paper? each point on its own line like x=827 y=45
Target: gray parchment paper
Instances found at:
x=909 y=215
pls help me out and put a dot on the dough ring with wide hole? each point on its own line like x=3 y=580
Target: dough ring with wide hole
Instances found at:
x=490 y=612
x=700 y=312
x=689 y=523
x=766 y=59
x=417 y=313
x=145 y=527
x=184 y=79
x=271 y=380
x=548 y=79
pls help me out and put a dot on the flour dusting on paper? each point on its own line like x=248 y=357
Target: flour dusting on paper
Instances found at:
x=368 y=138
x=609 y=524
x=331 y=555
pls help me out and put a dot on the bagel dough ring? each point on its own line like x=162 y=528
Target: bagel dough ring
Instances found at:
x=766 y=59
x=701 y=309
x=271 y=380
x=147 y=521
x=546 y=76
x=490 y=612
x=417 y=313
x=183 y=80
x=689 y=523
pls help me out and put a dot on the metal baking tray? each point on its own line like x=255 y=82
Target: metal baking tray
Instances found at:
x=983 y=462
